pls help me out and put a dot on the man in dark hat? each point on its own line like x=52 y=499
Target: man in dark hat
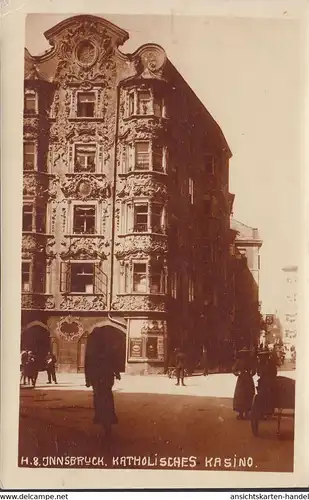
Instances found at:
x=244 y=369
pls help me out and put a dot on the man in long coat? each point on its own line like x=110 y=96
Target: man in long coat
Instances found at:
x=180 y=366
x=100 y=372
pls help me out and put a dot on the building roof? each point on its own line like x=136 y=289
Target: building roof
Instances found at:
x=246 y=234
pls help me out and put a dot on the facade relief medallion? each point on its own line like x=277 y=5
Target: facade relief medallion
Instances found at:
x=82 y=186
x=69 y=328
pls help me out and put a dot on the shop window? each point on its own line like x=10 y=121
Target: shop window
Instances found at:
x=152 y=347
x=29 y=156
x=84 y=219
x=25 y=277
x=140 y=277
x=85 y=156
x=30 y=103
x=27 y=217
x=86 y=104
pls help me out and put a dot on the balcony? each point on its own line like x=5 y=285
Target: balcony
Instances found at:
x=140 y=303
x=37 y=301
x=83 y=302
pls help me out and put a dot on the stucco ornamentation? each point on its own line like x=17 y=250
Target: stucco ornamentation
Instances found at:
x=157 y=327
x=83 y=303
x=84 y=248
x=139 y=303
x=85 y=186
x=140 y=246
x=69 y=328
x=34 y=185
x=37 y=301
x=142 y=185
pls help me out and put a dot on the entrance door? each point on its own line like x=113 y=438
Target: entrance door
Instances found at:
x=36 y=338
x=110 y=339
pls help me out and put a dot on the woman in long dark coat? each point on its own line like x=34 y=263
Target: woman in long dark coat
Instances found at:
x=100 y=372
x=244 y=369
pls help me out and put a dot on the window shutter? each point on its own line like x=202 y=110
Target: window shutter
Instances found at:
x=100 y=281
x=130 y=222
x=65 y=277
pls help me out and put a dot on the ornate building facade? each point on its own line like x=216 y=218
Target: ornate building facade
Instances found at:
x=126 y=214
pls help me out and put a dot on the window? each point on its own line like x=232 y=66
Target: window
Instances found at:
x=84 y=219
x=191 y=190
x=85 y=104
x=131 y=104
x=207 y=205
x=27 y=217
x=157 y=106
x=85 y=158
x=157 y=158
x=148 y=218
x=141 y=218
x=25 y=277
x=39 y=277
x=30 y=106
x=174 y=285
x=83 y=277
x=157 y=278
x=29 y=156
x=40 y=219
x=209 y=164
x=144 y=103
x=142 y=157
x=140 y=277
x=191 y=289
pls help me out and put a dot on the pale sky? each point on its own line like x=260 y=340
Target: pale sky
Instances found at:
x=247 y=73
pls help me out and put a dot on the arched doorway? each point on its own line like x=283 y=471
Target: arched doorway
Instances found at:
x=111 y=338
x=36 y=338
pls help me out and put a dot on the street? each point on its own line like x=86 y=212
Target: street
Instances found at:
x=193 y=425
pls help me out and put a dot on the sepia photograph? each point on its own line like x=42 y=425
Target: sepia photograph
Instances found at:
x=161 y=242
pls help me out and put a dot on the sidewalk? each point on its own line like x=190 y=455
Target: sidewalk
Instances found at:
x=213 y=385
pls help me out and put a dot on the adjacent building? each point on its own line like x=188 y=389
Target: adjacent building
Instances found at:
x=289 y=309
x=126 y=209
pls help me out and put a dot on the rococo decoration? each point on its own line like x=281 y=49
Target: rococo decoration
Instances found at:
x=69 y=328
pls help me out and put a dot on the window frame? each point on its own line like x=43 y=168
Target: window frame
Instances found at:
x=149 y=225
x=28 y=94
x=129 y=157
x=65 y=283
x=28 y=262
x=75 y=153
x=29 y=203
x=133 y=103
x=139 y=262
x=35 y=155
x=77 y=204
x=77 y=97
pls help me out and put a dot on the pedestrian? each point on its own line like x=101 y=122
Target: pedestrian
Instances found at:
x=180 y=366
x=205 y=361
x=23 y=364
x=100 y=372
x=244 y=370
x=51 y=367
x=267 y=372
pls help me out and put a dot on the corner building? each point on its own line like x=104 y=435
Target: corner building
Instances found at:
x=126 y=201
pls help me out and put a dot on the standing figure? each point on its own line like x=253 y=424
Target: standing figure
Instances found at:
x=267 y=372
x=180 y=366
x=51 y=367
x=23 y=364
x=205 y=361
x=100 y=372
x=244 y=391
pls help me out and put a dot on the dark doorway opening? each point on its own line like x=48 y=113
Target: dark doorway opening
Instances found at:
x=111 y=339
x=36 y=338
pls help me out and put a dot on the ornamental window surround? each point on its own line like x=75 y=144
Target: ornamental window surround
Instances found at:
x=145 y=102
x=30 y=103
x=144 y=156
x=143 y=216
x=143 y=277
x=30 y=156
x=83 y=277
x=85 y=158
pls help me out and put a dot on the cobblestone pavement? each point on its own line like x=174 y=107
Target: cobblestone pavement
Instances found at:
x=156 y=419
